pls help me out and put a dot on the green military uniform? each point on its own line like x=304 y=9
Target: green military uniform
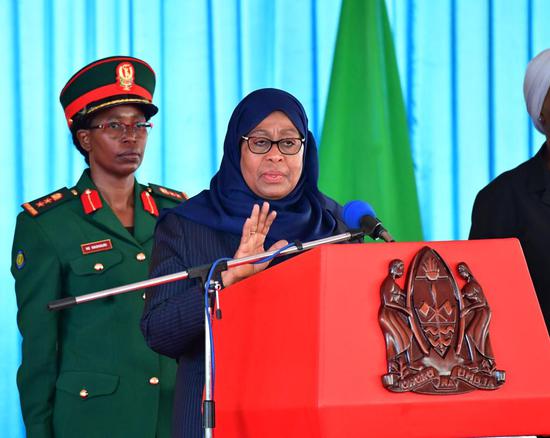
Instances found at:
x=86 y=371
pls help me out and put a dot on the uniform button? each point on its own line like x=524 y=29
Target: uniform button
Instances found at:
x=144 y=296
x=154 y=380
x=98 y=266
x=83 y=393
x=140 y=256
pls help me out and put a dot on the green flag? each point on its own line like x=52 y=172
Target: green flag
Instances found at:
x=365 y=152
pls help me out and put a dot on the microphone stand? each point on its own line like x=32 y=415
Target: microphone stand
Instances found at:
x=201 y=272
x=208 y=404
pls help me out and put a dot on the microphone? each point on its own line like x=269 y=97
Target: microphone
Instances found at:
x=359 y=214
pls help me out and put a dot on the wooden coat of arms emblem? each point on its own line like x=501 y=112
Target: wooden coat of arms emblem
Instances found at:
x=437 y=335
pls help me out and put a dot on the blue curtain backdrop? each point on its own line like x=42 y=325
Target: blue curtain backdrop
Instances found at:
x=461 y=65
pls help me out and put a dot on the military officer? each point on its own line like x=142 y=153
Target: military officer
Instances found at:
x=86 y=371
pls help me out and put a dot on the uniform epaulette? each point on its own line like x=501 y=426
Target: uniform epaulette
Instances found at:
x=45 y=203
x=175 y=195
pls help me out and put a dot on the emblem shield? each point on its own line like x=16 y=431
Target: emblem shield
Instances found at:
x=433 y=294
x=436 y=332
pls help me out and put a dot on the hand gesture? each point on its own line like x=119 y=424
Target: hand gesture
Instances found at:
x=255 y=231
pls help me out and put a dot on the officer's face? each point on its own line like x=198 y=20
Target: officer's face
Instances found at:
x=272 y=175
x=115 y=151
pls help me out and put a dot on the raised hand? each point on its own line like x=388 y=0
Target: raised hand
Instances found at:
x=253 y=237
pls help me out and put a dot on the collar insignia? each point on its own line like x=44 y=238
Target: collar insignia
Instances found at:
x=90 y=201
x=149 y=203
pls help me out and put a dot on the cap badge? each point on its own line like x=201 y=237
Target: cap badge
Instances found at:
x=125 y=75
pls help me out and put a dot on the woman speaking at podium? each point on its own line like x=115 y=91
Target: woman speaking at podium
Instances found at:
x=264 y=194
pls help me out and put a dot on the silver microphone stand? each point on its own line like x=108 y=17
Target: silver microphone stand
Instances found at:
x=198 y=271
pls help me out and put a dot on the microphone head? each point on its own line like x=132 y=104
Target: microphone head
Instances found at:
x=354 y=211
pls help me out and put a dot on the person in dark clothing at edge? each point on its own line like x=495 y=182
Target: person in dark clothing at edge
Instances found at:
x=264 y=194
x=517 y=203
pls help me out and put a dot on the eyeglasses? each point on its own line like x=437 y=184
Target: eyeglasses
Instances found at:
x=118 y=129
x=262 y=145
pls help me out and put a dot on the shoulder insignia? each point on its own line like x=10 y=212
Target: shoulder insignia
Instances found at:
x=40 y=205
x=20 y=260
x=91 y=201
x=167 y=193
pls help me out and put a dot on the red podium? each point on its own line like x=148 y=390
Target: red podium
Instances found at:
x=300 y=352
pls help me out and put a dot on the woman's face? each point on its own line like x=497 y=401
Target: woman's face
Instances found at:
x=272 y=175
x=116 y=152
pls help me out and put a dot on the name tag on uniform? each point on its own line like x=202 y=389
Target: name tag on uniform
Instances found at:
x=100 y=245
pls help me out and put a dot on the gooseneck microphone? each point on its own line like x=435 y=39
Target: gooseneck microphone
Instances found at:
x=359 y=214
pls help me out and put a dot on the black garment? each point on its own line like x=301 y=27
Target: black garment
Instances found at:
x=517 y=204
